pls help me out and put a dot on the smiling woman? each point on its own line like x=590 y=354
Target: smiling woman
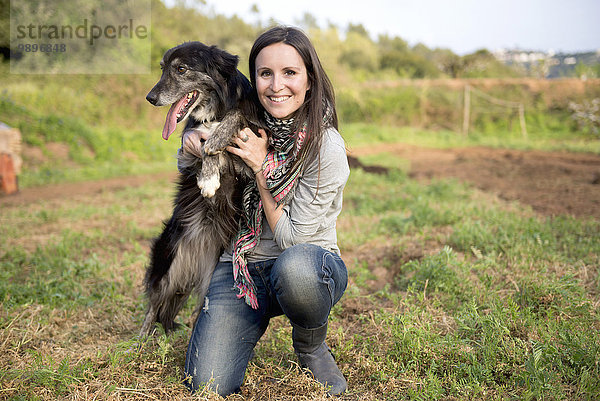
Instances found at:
x=281 y=80
x=285 y=259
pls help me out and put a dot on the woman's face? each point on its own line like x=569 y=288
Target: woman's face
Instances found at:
x=281 y=79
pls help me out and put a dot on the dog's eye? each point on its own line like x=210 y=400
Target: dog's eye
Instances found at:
x=181 y=70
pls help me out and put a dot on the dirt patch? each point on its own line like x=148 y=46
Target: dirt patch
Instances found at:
x=552 y=183
x=68 y=190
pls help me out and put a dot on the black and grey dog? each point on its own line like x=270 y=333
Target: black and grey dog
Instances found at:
x=201 y=83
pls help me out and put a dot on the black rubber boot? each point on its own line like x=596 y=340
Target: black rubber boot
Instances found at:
x=316 y=356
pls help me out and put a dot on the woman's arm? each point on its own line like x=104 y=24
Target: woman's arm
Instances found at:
x=252 y=149
x=311 y=215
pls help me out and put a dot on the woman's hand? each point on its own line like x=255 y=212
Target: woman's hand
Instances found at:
x=192 y=140
x=251 y=148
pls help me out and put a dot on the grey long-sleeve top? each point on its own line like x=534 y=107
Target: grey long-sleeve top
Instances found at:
x=311 y=215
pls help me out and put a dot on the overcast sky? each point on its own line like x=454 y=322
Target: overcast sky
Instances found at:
x=461 y=25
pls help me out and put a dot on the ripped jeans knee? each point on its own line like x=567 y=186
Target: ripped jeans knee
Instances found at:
x=304 y=282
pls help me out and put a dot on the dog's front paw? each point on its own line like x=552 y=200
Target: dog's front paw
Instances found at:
x=208 y=185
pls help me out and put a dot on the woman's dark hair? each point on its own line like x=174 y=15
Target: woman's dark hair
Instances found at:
x=318 y=97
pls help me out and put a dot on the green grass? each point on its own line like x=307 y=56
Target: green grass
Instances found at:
x=480 y=299
x=453 y=294
x=93 y=152
x=519 y=316
x=49 y=174
x=364 y=135
x=107 y=128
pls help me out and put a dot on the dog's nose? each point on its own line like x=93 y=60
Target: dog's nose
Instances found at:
x=152 y=98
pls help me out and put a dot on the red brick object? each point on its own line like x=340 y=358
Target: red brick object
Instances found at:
x=8 y=178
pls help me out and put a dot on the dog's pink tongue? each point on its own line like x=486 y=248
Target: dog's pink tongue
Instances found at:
x=171 y=121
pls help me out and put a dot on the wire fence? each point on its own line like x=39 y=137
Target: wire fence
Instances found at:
x=509 y=107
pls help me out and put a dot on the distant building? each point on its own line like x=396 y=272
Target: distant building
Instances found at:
x=546 y=64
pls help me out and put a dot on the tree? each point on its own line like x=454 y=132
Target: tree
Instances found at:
x=482 y=63
x=449 y=63
x=395 y=43
x=359 y=52
x=308 y=21
x=357 y=29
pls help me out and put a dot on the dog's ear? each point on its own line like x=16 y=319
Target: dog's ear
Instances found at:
x=224 y=63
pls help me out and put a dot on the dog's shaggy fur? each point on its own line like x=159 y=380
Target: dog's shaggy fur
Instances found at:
x=202 y=84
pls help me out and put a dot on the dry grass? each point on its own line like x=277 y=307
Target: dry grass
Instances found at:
x=418 y=321
x=90 y=352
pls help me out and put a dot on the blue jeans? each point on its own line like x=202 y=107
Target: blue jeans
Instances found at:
x=303 y=283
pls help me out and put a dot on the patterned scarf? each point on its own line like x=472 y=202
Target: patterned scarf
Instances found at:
x=282 y=175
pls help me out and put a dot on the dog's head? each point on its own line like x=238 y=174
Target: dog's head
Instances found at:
x=193 y=76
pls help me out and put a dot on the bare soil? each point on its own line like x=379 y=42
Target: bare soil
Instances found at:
x=552 y=183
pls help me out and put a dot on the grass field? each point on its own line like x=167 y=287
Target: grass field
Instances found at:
x=103 y=125
x=453 y=295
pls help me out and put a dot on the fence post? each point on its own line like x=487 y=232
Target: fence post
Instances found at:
x=522 y=120
x=467 y=110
